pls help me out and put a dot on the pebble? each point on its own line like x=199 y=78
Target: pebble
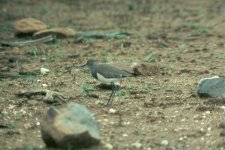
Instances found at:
x=44 y=85
x=207 y=112
x=112 y=111
x=126 y=123
x=98 y=102
x=108 y=146
x=164 y=142
x=27 y=125
x=38 y=123
x=44 y=71
x=137 y=145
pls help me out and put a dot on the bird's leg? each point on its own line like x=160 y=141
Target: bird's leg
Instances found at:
x=114 y=89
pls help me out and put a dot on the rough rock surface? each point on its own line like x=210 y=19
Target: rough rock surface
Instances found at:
x=71 y=126
x=59 y=32
x=212 y=87
x=147 y=69
x=28 y=26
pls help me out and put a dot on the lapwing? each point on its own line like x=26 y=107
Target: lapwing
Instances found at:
x=107 y=73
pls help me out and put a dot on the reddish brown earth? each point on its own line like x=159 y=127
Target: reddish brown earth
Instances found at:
x=161 y=111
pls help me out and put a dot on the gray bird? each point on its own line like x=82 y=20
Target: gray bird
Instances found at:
x=108 y=74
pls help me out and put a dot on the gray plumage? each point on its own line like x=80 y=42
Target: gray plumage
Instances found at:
x=106 y=70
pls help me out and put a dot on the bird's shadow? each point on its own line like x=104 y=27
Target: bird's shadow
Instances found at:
x=104 y=86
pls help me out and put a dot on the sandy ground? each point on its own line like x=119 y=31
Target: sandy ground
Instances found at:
x=161 y=111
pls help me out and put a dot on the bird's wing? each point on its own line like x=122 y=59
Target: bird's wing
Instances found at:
x=109 y=71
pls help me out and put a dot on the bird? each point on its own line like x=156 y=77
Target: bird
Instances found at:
x=107 y=73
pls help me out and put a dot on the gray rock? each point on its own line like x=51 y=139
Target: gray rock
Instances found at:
x=212 y=87
x=70 y=127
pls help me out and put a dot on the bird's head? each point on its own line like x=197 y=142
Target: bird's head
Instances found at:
x=89 y=63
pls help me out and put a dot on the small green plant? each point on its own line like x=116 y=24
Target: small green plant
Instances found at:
x=121 y=94
x=18 y=117
x=49 y=58
x=34 y=52
x=203 y=30
x=85 y=89
x=152 y=58
x=69 y=147
x=33 y=147
x=183 y=46
x=11 y=125
x=6 y=27
x=45 y=10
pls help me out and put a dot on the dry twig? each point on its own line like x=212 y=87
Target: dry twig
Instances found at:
x=25 y=43
x=49 y=95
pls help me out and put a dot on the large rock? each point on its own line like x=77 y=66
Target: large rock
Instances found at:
x=59 y=32
x=70 y=127
x=212 y=87
x=28 y=26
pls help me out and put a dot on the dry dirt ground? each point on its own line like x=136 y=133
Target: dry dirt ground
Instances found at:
x=161 y=111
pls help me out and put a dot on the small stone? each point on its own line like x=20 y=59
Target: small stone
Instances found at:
x=125 y=135
x=59 y=32
x=126 y=123
x=207 y=112
x=27 y=126
x=72 y=124
x=98 y=102
x=28 y=26
x=112 y=111
x=137 y=145
x=44 y=71
x=44 y=85
x=108 y=146
x=164 y=142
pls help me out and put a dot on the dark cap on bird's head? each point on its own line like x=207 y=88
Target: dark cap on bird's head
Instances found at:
x=89 y=63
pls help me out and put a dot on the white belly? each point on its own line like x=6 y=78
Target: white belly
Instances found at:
x=105 y=80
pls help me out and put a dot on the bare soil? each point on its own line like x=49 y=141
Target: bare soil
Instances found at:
x=161 y=111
